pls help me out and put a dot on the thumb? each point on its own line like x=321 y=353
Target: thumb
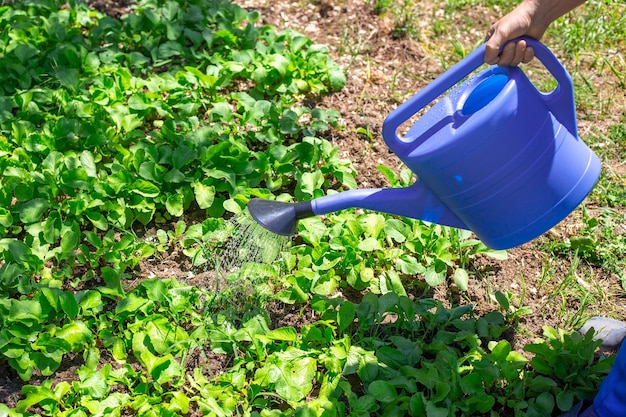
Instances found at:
x=495 y=38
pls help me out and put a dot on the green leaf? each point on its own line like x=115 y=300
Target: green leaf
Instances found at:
x=10 y=274
x=112 y=280
x=409 y=265
x=503 y=300
x=397 y=230
x=162 y=368
x=52 y=227
x=500 y=350
x=97 y=219
x=289 y=123
x=293 y=375
x=17 y=250
x=68 y=77
x=139 y=102
x=156 y=290
x=383 y=391
x=70 y=238
x=260 y=111
x=25 y=311
x=500 y=255
x=221 y=111
x=6 y=219
x=205 y=194
x=182 y=156
x=122 y=118
x=433 y=411
x=69 y=304
x=145 y=188
x=373 y=224
x=279 y=62
x=370 y=244
x=94 y=384
x=337 y=79
x=179 y=403
x=565 y=400
x=88 y=163
x=130 y=304
x=285 y=334
x=76 y=333
x=393 y=283
x=32 y=211
x=435 y=274
x=174 y=205
x=169 y=49
x=34 y=395
x=162 y=336
x=346 y=315
x=472 y=383
x=461 y=279
x=174 y=176
x=89 y=300
x=366 y=274
x=543 y=405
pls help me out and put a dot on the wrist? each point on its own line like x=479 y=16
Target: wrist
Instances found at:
x=543 y=12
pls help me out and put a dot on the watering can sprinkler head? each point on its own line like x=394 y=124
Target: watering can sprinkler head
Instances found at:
x=278 y=216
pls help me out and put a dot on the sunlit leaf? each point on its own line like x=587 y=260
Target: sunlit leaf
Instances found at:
x=461 y=279
x=205 y=194
x=32 y=210
x=370 y=244
x=76 y=333
x=145 y=188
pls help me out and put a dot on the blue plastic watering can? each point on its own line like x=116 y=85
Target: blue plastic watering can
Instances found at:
x=494 y=155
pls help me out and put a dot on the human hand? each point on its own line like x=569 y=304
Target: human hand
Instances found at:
x=519 y=22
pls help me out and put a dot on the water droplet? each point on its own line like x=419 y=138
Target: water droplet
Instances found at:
x=243 y=255
x=248 y=244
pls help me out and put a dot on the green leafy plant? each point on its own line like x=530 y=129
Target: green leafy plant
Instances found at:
x=37 y=332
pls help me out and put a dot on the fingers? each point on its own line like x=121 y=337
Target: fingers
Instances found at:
x=492 y=51
x=513 y=53
x=492 y=47
x=529 y=54
x=518 y=22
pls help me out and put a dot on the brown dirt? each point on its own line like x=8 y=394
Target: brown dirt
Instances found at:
x=10 y=386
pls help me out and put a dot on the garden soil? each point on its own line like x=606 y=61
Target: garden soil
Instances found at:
x=384 y=67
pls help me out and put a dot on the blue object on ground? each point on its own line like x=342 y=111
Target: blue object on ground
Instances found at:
x=610 y=401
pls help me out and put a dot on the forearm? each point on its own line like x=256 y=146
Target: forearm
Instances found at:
x=530 y=18
x=544 y=12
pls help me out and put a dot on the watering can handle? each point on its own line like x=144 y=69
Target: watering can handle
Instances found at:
x=564 y=92
x=561 y=100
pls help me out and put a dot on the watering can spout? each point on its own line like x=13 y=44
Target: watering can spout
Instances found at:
x=278 y=216
x=415 y=202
